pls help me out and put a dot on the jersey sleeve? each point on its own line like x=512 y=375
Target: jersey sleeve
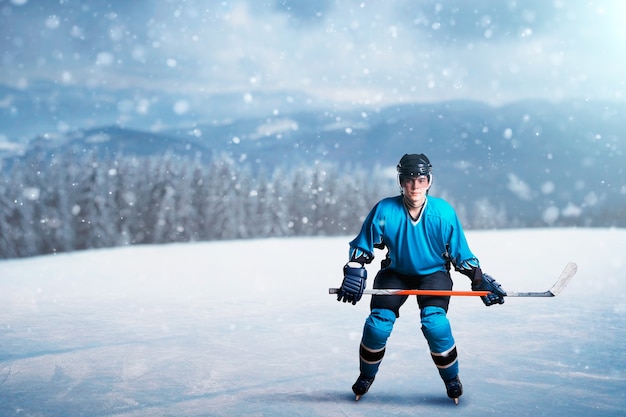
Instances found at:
x=459 y=252
x=371 y=235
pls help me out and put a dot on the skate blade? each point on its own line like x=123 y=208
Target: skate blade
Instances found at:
x=456 y=401
x=357 y=398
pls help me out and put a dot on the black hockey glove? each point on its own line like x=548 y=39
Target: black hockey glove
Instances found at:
x=486 y=283
x=354 y=282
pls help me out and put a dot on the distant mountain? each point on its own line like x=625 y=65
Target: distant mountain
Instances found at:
x=52 y=109
x=113 y=142
x=535 y=161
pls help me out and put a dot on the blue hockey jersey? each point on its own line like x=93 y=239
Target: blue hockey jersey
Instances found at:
x=415 y=247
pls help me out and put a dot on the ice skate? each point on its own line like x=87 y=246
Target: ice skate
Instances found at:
x=454 y=389
x=361 y=386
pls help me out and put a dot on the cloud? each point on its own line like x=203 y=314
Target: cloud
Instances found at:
x=461 y=22
x=304 y=12
x=406 y=50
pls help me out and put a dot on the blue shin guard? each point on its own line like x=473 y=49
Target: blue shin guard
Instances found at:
x=376 y=331
x=438 y=333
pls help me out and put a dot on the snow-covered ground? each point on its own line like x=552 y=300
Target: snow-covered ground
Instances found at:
x=247 y=328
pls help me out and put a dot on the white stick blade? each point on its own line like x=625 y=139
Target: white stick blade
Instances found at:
x=566 y=276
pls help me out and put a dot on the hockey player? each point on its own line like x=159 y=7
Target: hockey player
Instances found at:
x=424 y=238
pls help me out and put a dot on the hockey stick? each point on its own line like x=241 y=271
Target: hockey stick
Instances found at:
x=566 y=276
x=417 y=292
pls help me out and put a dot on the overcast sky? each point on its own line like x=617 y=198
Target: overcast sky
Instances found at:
x=362 y=51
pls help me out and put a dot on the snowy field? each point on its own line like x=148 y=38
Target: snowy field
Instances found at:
x=248 y=329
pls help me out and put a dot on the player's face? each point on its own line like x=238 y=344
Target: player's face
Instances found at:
x=414 y=188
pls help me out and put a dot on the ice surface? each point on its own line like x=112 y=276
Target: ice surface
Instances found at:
x=248 y=328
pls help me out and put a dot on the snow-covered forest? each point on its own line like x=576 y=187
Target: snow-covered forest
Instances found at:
x=79 y=200
x=74 y=203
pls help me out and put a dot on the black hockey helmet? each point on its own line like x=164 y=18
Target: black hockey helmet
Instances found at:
x=414 y=165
